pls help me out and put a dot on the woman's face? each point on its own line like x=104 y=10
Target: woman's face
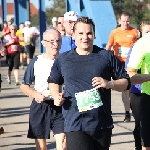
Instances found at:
x=5 y=24
x=145 y=29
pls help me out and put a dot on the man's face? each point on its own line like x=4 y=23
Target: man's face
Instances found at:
x=28 y=25
x=21 y=26
x=52 y=43
x=83 y=36
x=60 y=24
x=124 y=22
x=69 y=27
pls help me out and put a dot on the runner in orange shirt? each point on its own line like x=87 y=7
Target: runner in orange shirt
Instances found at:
x=120 y=40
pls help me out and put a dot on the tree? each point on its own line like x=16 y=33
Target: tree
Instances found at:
x=57 y=9
x=138 y=9
x=35 y=20
x=59 y=5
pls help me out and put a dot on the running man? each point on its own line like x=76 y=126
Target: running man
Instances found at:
x=141 y=51
x=44 y=115
x=121 y=39
x=86 y=72
x=23 y=55
x=60 y=25
x=67 y=42
x=30 y=35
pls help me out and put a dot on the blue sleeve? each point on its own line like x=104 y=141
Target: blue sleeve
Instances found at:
x=127 y=59
x=73 y=45
x=29 y=73
x=56 y=75
x=136 y=88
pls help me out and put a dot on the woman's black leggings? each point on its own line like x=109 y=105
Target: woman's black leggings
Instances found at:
x=135 y=99
x=13 y=61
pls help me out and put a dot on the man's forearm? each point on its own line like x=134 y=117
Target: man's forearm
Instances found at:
x=118 y=85
x=140 y=78
x=55 y=89
x=27 y=90
x=137 y=78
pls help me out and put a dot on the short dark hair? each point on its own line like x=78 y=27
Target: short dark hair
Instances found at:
x=21 y=23
x=61 y=16
x=85 y=20
x=124 y=14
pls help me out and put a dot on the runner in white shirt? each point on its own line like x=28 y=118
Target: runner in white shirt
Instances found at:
x=30 y=34
x=44 y=115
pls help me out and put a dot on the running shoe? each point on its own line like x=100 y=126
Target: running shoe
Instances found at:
x=17 y=83
x=9 y=81
x=127 y=118
x=22 y=67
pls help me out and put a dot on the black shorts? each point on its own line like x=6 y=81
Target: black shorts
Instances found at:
x=22 y=49
x=43 y=117
x=145 y=120
x=89 y=140
x=30 y=50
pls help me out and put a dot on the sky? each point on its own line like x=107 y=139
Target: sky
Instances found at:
x=35 y=2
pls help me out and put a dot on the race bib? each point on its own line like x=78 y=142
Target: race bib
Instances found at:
x=88 y=100
x=123 y=51
x=14 y=48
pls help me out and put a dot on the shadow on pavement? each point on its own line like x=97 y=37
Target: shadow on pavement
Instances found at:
x=50 y=146
x=122 y=142
x=122 y=133
x=9 y=88
x=16 y=123
x=13 y=96
x=14 y=112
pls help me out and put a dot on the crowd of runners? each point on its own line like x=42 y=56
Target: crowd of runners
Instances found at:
x=73 y=80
